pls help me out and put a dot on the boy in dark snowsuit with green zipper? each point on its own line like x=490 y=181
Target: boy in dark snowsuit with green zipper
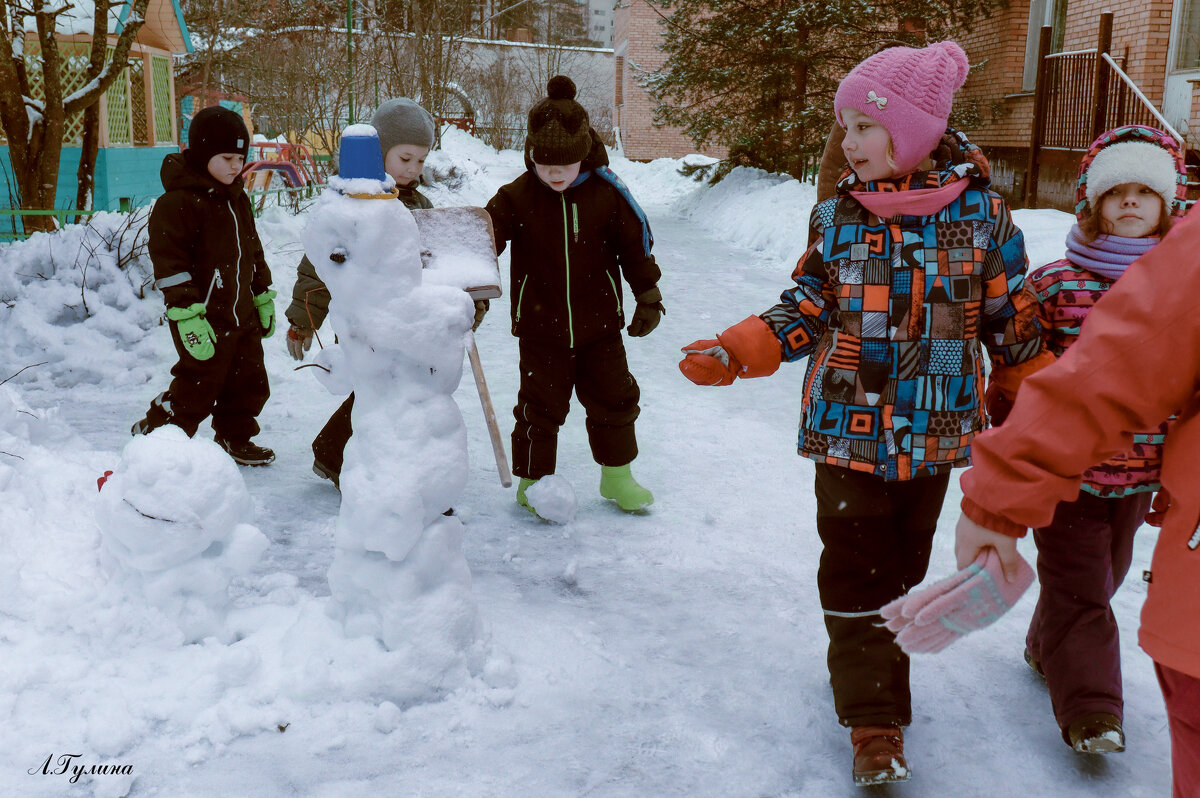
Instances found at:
x=575 y=232
x=209 y=265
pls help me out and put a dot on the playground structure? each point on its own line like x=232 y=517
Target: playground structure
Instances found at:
x=292 y=164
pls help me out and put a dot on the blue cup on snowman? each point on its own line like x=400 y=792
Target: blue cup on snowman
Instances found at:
x=360 y=165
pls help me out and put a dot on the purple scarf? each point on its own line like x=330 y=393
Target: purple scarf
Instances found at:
x=1107 y=256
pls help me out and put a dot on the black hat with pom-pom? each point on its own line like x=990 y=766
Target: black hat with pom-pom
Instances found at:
x=559 y=130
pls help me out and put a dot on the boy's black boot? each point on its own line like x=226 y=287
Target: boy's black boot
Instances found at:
x=325 y=472
x=246 y=452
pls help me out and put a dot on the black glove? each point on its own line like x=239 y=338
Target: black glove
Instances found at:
x=647 y=313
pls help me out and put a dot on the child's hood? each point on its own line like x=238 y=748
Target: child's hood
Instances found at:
x=1132 y=154
x=176 y=174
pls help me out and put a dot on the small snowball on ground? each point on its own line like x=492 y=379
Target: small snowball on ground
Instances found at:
x=554 y=498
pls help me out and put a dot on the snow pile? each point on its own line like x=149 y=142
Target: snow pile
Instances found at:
x=174 y=521
x=755 y=209
x=466 y=171
x=75 y=300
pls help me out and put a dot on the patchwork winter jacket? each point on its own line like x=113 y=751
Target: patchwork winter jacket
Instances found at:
x=570 y=251
x=1066 y=293
x=204 y=245
x=892 y=306
x=1137 y=362
x=310 y=297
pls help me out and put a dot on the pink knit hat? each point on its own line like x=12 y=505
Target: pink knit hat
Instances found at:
x=909 y=92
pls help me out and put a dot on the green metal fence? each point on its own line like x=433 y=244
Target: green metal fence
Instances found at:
x=12 y=224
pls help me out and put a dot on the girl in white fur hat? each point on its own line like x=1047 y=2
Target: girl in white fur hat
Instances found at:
x=1131 y=185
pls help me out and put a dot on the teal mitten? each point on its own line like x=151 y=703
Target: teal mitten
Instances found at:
x=265 y=302
x=194 y=330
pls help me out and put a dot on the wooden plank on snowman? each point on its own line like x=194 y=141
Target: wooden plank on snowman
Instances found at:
x=458 y=248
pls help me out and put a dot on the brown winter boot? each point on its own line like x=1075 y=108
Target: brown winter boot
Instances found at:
x=1097 y=733
x=878 y=755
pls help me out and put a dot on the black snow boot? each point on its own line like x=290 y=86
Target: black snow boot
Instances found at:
x=246 y=452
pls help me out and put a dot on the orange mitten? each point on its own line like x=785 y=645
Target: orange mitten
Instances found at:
x=706 y=362
x=747 y=349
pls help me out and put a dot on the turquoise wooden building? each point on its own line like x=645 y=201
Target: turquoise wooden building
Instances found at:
x=138 y=121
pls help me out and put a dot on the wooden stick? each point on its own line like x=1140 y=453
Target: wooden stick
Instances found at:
x=489 y=414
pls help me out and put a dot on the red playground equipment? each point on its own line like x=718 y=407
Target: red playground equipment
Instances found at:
x=292 y=162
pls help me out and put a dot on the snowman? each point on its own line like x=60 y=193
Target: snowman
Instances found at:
x=174 y=524
x=399 y=573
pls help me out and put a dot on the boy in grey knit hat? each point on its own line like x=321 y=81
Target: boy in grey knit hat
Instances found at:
x=406 y=134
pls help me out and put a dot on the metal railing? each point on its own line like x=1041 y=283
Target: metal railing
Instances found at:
x=1066 y=111
x=1079 y=95
x=1127 y=105
x=12 y=226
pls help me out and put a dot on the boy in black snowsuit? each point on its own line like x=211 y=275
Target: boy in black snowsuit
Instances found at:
x=209 y=265
x=575 y=232
x=406 y=134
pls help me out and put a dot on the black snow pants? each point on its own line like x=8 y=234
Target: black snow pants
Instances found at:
x=877 y=538
x=329 y=447
x=231 y=386
x=599 y=375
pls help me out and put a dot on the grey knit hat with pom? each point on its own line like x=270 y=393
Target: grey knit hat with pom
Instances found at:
x=559 y=130
x=402 y=121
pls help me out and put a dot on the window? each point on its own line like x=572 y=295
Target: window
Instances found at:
x=1043 y=12
x=1187 y=47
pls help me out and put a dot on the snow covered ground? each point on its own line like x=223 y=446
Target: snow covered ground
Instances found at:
x=678 y=653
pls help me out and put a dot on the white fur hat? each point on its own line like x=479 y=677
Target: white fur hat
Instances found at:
x=1132 y=162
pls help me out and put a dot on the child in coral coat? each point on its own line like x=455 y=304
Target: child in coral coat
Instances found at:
x=1136 y=362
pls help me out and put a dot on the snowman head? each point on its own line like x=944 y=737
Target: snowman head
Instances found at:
x=361 y=240
x=169 y=499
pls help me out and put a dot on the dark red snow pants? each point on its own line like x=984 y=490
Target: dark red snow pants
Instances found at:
x=1083 y=556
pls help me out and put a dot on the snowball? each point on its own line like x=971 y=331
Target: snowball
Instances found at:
x=553 y=498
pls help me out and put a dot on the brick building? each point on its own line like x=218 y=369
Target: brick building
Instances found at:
x=1156 y=41
x=636 y=35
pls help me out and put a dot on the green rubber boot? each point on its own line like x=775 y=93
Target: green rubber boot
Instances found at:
x=521 y=488
x=618 y=484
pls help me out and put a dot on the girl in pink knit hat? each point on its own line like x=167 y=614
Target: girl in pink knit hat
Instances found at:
x=916 y=268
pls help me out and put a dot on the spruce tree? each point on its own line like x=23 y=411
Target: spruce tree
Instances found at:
x=759 y=76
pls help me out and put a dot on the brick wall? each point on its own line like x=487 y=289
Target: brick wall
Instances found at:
x=1141 y=33
x=636 y=34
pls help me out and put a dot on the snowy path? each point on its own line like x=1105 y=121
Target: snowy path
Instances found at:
x=679 y=653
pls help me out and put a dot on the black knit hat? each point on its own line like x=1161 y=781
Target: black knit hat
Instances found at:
x=559 y=130
x=213 y=131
